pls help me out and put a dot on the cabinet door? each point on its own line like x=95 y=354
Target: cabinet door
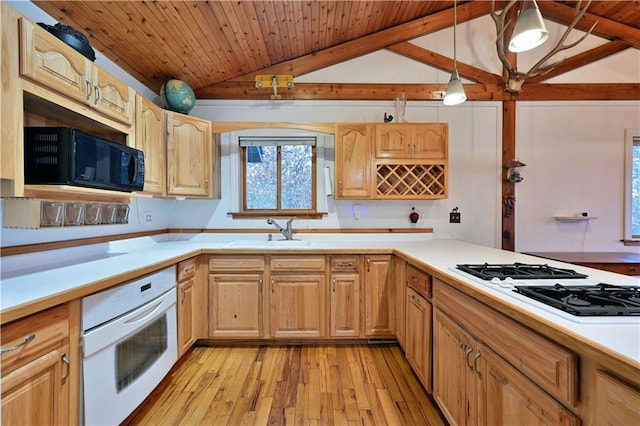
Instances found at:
x=452 y=374
x=189 y=146
x=235 y=305
x=38 y=392
x=509 y=398
x=112 y=97
x=393 y=141
x=150 y=138
x=418 y=352
x=297 y=305
x=186 y=323
x=345 y=305
x=50 y=62
x=430 y=140
x=353 y=161
x=617 y=403
x=379 y=299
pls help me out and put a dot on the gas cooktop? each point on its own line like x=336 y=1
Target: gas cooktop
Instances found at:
x=590 y=300
x=518 y=271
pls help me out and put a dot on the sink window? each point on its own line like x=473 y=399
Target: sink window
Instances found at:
x=279 y=174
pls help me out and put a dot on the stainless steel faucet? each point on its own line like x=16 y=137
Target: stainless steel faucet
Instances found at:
x=288 y=232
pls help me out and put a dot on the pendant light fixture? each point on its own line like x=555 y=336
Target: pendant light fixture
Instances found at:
x=455 y=92
x=530 y=30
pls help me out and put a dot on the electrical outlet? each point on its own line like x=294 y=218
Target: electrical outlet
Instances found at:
x=147 y=217
x=454 y=217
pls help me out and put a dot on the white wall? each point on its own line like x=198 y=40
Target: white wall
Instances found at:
x=574 y=156
x=550 y=138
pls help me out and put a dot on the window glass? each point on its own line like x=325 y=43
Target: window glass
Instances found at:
x=635 y=188
x=279 y=174
x=261 y=177
x=296 y=177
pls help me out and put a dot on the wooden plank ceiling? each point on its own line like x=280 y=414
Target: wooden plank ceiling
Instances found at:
x=218 y=47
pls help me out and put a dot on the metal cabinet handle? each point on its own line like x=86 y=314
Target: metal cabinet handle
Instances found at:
x=273 y=285
x=475 y=364
x=260 y=282
x=466 y=355
x=184 y=294
x=415 y=279
x=24 y=342
x=65 y=360
x=333 y=284
x=368 y=263
x=345 y=264
x=97 y=94
x=88 y=88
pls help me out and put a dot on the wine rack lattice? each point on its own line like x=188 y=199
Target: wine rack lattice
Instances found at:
x=411 y=180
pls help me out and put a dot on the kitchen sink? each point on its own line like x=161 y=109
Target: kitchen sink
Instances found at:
x=268 y=244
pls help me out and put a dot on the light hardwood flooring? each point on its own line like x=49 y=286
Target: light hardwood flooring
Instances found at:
x=292 y=385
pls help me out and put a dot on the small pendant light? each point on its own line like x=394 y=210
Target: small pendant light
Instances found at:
x=530 y=30
x=455 y=92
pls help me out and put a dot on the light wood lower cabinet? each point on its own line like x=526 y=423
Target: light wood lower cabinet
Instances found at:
x=37 y=376
x=297 y=308
x=418 y=339
x=236 y=296
x=379 y=297
x=344 y=309
x=187 y=300
x=473 y=384
x=617 y=403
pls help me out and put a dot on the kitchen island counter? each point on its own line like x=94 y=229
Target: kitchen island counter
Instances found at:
x=24 y=293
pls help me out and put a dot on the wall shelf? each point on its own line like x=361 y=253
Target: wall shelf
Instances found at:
x=574 y=218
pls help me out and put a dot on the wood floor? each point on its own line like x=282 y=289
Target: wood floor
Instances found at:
x=292 y=385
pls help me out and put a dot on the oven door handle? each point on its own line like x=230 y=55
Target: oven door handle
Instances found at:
x=111 y=332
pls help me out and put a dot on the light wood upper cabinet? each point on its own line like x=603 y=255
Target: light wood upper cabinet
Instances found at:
x=394 y=140
x=50 y=62
x=37 y=376
x=379 y=297
x=189 y=156
x=430 y=140
x=417 y=141
x=353 y=160
x=151 y=139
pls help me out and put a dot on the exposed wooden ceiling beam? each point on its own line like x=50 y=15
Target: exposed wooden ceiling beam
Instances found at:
x=444 y=63
x=582 y=59
x=425 y=92
x=373 y=42
x=606 y=28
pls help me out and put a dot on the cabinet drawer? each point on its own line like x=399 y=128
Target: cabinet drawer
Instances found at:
x=50 y=330
x=622 y=268
x=186 y=269
x=418 y=280
x=236 y=263
x=297 y=263
x=345 y=263
x=549 y=365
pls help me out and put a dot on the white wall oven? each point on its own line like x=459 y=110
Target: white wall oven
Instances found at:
x=129 y=345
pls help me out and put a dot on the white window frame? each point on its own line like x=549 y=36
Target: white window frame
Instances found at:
x=631 y=135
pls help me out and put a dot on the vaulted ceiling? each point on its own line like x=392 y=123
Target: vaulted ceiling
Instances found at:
x=218 y=47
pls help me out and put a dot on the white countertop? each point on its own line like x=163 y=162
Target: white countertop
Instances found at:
x=38 y=276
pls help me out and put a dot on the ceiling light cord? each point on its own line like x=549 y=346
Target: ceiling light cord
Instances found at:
x=455 y=91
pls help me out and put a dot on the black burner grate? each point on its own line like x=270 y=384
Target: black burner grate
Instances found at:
x=519 y=271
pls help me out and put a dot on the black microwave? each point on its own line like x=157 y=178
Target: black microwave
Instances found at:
x=67 y=156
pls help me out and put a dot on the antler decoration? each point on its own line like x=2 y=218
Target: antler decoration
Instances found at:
x=515 y=78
